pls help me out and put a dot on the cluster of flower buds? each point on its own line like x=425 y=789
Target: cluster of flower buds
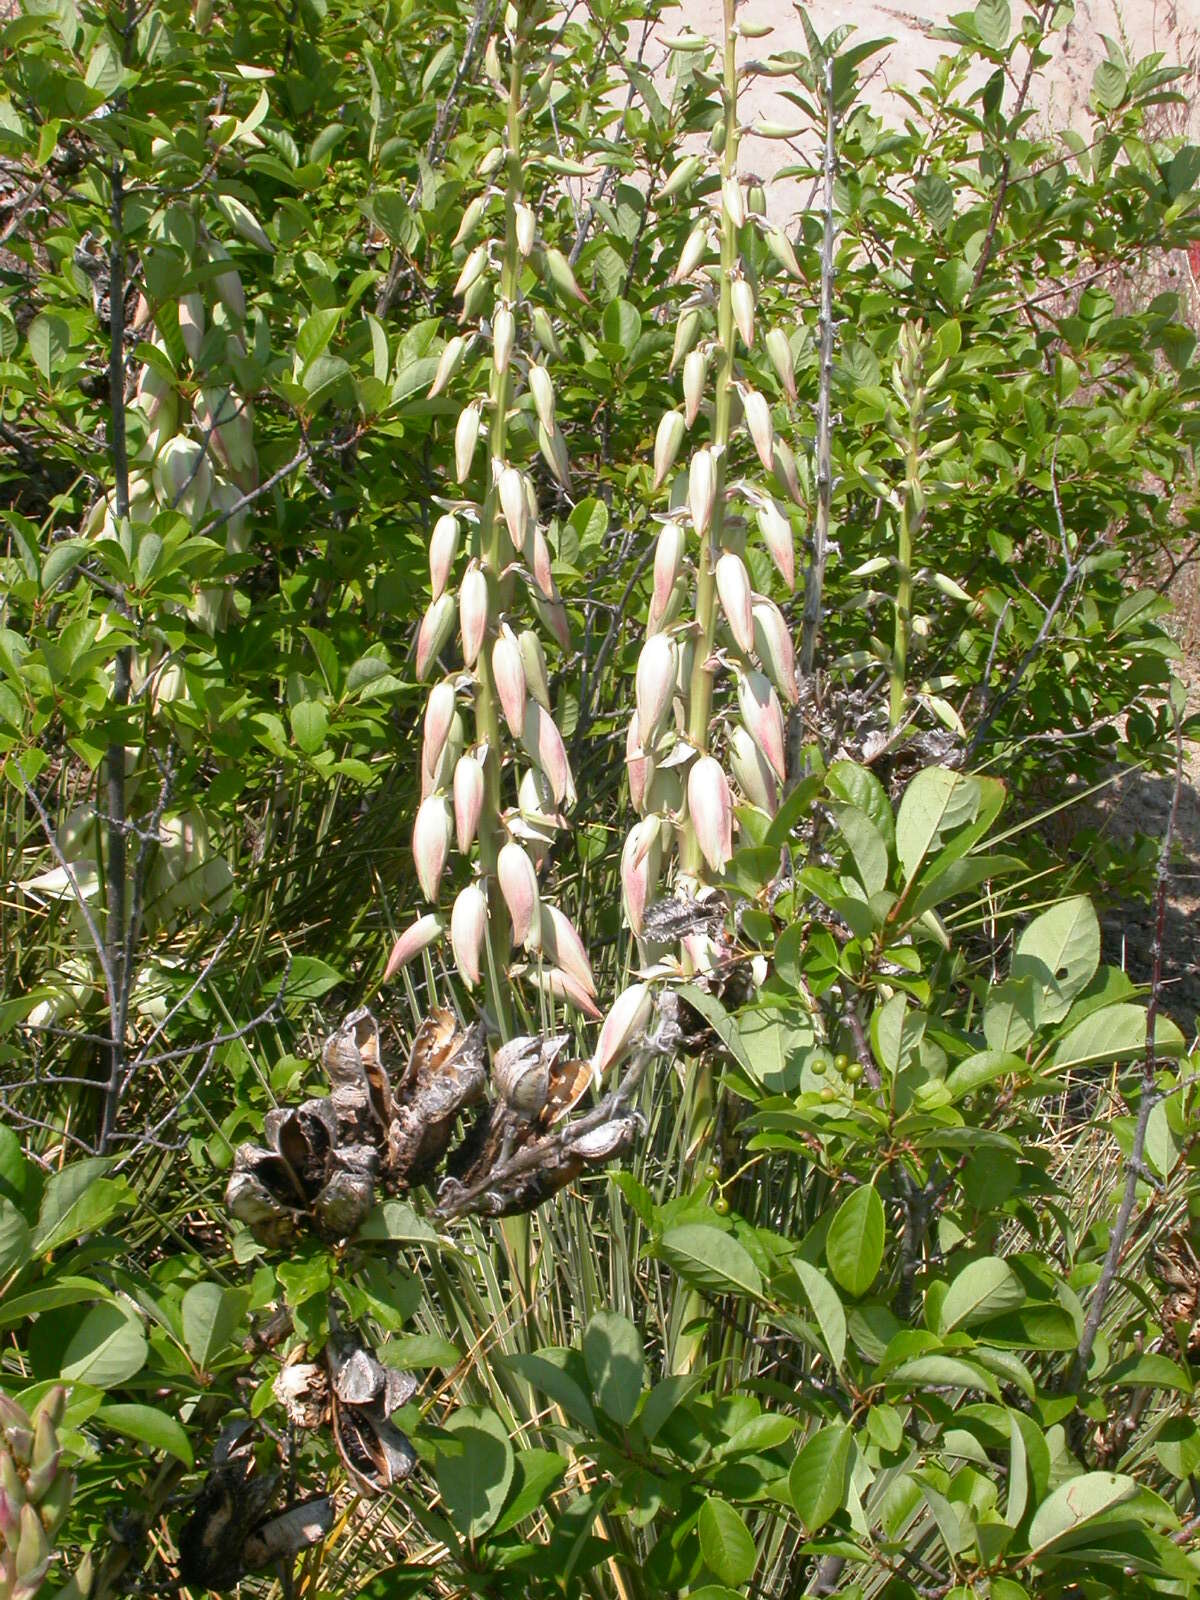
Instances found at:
x=193 y=436
x=499 y=792
x=35 y=1491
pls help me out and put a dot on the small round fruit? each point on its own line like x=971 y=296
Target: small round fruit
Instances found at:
x=841 y=1062
x=828 y=1093
x=819 y=1066
x=721 y=1206
x=853 y=1071
x=712 y=1172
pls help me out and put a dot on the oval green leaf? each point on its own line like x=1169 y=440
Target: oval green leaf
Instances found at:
x=725 y=1542
x=854 y=1243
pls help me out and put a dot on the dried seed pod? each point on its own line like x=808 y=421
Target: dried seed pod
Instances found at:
x=541 y=388
x=439 y=713
x=431 y=843
x=563 y=946
x=473 y=612
x=468 y=929
x=513 y=504
x=654 y=684
x=302 y=1389
x=734 y=593
x=758 y=421
x=534 y=661
x=418 y=936
x=742 y=296
x=448 y=364
x=466 y=437
x=763 y=719
x=443 y=551
x=780 y=353
x=773 y=647
x=521 y=1071
x=436 y=627
x=710 y=809
x=695 y=376
x=472 y=270
x=777 y=536
x=468 y=800
x=753 y=772
x=627 y=1020
x=508 y=673
x=702 y=489
x=669 y=437
x=504 y=334
x=518 y=884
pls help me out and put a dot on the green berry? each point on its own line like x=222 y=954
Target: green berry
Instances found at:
x=819 y=1067
x=841 y=1062
x=721 y=1206
x=712 y=1172
x=854 y=1071
x=828 y=1093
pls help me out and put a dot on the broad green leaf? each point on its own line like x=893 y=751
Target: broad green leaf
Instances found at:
x=1118 y=1033
x=867 y=846
x=935 y=802
x=984 y=1288
x=854 y=1243
x=711 y=1259
x=612 y=1350
x=826 y=1307
x=78 y=1200
x=108 y=1348
x=1060 y=952
x=419 y=1350
x=1075 y=1502
x=148 y=1426
x=993 y=23
x=49 y=342
x=758 y=1435
x=984 y=1067
x=937 y=1372
x=664 y=1400
x=211 y=1314
x=396 y=1220
x=535 y=1473
x=725 y=1542
x=861 y=788
x=14 y=1238
x=310 y=723
x=546 y=1370
x=818 y=1481
x=474 y=1469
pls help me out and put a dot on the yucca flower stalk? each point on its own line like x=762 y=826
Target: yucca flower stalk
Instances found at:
x=908 y=381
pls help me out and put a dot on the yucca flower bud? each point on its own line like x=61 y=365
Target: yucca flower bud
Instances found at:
x=183 y=477
x=756 y=200
x=466 y=437
x=710 y=808
x=32 y=1552
x=687 y=331
x=473 y=612
x=734 y=593
x=733 y=201
x=519 y=886
x=752 y=772
x=628 y=1018
x=544 y=744
x=780 y=353
x=784 y=463
x=543 y=331
x=702 y=489
x=526 y=228
x=780 y=247
x=468 y=800
x=671 y=429
x=554 y=453
x=443 y=550
x=668 y=564
x=763 y=718
x=448 y=364
x=508 y=673
x=158 y=401
x=541 y=387
x=777 y=536
x=564 y=986
x=758 y=421
x=638 y=763
x=504 y=334
x=681 y=175
x=418 y=936
x=664 y=800
x=513 y=504
x=537 y=553
x=533 y=659
x=439 y=713
x=773 y=647
x=563 y=946
x=562 y=276
x=471 y=219
x=192 y=322
x=468 y=929
x=553 y=617
x=472 y=270
x=695 y=376
x=654 y=685
x=436 y=627
x=641 y=863
x=742 y=296
x=228 y=284
x=535 y=798
x=431 y=843
x=694 y=247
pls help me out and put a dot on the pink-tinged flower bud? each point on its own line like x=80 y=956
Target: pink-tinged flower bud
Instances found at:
x=627 y=1020
x=702 y=489
x=544 y=744
x=763 y=718
x=695 y=376
x=687 y=330
x=431 y=843
x=553 y=615
x=533 y=659
x=473 y=612
x=562 y=277
x=511 y=489
x=419 y=936
x=448 y=364
x=541 y=387
x=733 y=591
x=436 y=627
x=443 y=550
x=742 y=296
x=526 y=228
x=773 y=647
x=664 y=798
x=784 y=463
x=468 y=800
x=543 y=332
x=671 y=429
x=158 y=401
x=668 y=564
x=468 y=929
x=183 y=477
x=777 y=536
x=641 y=863
x=780 y=353
x=701 y=955
x=752 y=772
x=554 y=453
x=472 y=269
x=508 y=672
x=191 y=322
x=228 y=285
x=504 y=333
x=734 y=202
x=694 y=248
x=762 y=431
x=654 y=684
x=710 y=808
x=638 y=763
x=780 y=247
x=519 y=886
x=537 y=553
x=564 y=947
x=560 y=985
x=466 y=437
x=437 y=776
x=439 y=713
x=471 y=219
